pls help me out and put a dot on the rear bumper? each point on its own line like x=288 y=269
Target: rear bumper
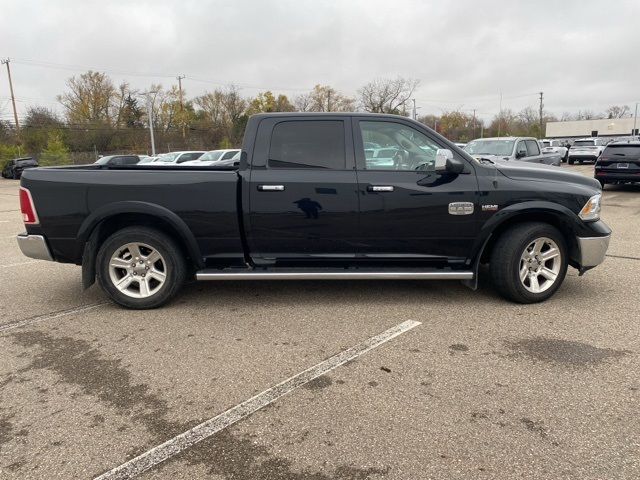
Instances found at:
x=592 y=250
x=618 y=176
x=34 y=246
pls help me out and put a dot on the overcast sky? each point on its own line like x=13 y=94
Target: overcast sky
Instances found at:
x=583 y=54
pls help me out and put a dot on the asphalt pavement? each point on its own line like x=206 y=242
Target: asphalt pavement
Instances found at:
x=476 y=388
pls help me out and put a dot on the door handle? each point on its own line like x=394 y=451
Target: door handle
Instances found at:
x=380 y=188
x=271 y=188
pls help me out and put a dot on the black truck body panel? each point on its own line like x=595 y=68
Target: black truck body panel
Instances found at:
x=226 y=217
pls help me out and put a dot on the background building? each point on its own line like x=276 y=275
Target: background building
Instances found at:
x=606 y=127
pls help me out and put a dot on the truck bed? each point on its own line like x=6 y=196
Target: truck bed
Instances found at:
x=202 y=200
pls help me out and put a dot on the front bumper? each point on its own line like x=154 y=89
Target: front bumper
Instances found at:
x=34 y=246
x=592 y=250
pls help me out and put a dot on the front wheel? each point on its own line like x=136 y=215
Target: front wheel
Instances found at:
x=529 y=262
x=140 y=267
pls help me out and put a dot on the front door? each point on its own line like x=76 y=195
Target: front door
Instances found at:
x=303 y=195
x=407 y=210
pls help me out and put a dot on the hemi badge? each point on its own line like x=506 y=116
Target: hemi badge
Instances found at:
x=489 y=208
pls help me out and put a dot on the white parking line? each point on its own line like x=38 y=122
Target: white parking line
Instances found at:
x=49 y=316
x=177 y=444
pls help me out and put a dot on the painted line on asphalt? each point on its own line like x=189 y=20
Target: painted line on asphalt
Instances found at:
x=4 y=221
x=18 y=264
x=185 y=440
x=48 y=316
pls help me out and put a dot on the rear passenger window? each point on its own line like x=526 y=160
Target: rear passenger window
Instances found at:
x=532 y=148
x=308 y=144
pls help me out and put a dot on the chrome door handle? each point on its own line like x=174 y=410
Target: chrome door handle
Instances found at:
x=271 y=188
x=380 y=188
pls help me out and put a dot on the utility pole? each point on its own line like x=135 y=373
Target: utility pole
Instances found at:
x=180 y=77
x=541 y=105
x=150 y=103
x=635 y=120
x=415 y=113
x=500 y=116
x=474 y=123
x=328 y=99
x=13 y=99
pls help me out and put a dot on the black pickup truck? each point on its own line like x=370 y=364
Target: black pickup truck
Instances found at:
x=317 y=196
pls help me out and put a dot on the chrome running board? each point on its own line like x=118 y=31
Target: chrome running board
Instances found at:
x=331 y=275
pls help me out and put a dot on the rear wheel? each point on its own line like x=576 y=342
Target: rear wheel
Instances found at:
x=529 y=262
x=571 y=161
x=140 y=267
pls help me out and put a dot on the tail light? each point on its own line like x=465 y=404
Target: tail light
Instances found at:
x=28 y=209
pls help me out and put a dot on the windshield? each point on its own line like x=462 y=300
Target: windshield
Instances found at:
x=546 y=143
x=167 y=157
x=211 y=156
x=584 y=143
x=490 y=147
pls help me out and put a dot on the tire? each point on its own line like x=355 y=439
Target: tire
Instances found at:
x=571 y=161
x=158 y=259
x=508 y=262
x=602 y=183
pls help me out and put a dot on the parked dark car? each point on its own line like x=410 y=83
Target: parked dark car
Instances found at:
x=619 y=163
x=15 y=167
x=306 y=202
x=118 y=160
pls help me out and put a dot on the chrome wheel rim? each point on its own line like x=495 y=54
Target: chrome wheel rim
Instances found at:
x=137 y=270
x=540 y=265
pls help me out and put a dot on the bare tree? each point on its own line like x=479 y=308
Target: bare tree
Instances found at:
x=386 y=95
x=617 y=111
x=303 y=102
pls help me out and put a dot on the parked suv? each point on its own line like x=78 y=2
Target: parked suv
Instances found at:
x=15 y=167
x=178 y=157
x=524 y=149
x=555 y=146
x=586 y=150
x=619 y=163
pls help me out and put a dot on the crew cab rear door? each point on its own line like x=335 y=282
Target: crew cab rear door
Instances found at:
x=407 y=210
x=303 y=197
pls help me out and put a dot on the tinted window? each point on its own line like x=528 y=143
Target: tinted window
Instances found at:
x=583 y=143
x=521 y=147
x=308 y=144
x=394 y=146
x=623 y=150
x=189 y=156
x=228 y=155
x=532 y=148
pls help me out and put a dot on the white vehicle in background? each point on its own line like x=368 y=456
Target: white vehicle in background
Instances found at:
x=226 y=159
x=178 y=157
x=555 y=146
x=586 y=150
x=217 y=155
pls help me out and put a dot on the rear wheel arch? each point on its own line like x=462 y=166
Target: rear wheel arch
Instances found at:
x=98 y=227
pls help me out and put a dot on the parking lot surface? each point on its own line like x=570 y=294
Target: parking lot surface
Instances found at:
x=481 y=388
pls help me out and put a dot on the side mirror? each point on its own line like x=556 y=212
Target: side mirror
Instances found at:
x=446 y=163
x=521 y=153
x=442 y=155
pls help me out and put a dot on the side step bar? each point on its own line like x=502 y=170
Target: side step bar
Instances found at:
x=331 y=275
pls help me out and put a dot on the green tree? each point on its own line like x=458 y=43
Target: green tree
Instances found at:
x=37 y=125
x=267 y=102
x=56 y=152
